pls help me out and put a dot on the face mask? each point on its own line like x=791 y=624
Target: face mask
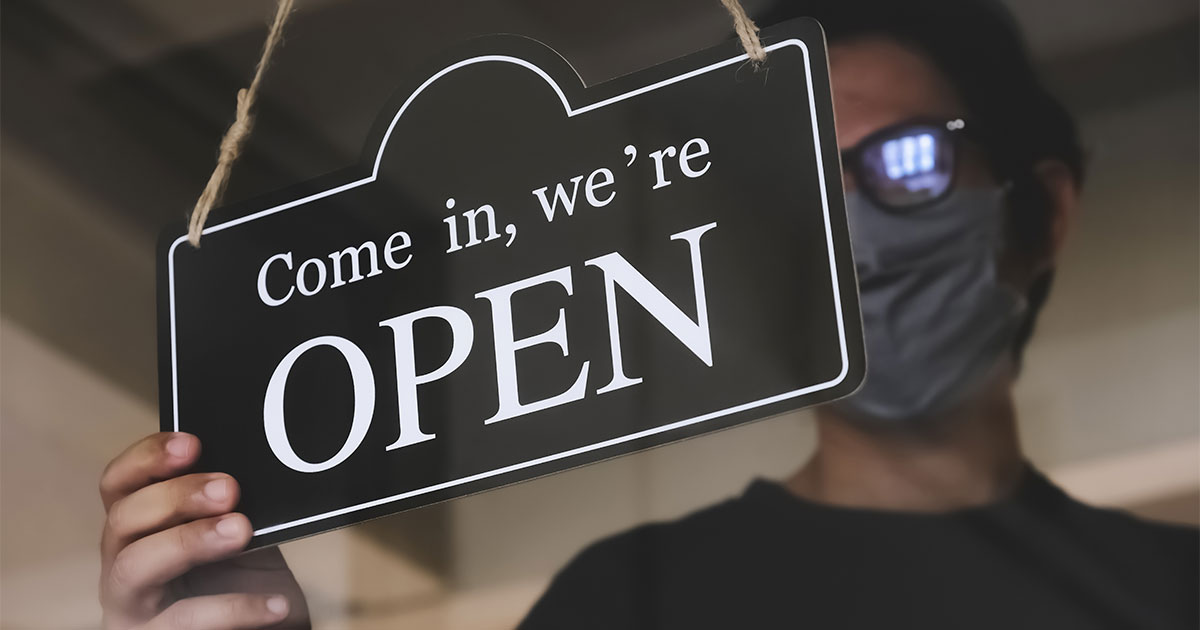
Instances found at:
x=936 y=319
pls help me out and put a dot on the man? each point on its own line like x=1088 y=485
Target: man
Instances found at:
x=918 y=508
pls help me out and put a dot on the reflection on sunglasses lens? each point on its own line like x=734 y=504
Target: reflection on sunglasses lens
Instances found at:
x=910 y=168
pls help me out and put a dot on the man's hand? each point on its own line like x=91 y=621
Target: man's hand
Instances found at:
x=169 y=552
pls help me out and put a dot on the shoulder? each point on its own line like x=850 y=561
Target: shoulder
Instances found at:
x=1152 y=562
x=1162 y=542
x=712 y=523
x=660 y=546
x=1112 y=535
x=607 y=582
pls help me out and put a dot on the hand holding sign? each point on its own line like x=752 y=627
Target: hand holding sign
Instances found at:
x=381 y=339
x=169 y=545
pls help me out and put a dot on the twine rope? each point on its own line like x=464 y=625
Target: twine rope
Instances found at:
x=235 y=136
x=747 y=31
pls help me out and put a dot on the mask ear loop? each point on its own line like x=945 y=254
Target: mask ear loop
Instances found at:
x=1026 y=205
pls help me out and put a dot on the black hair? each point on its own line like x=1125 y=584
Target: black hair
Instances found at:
x=979 y=48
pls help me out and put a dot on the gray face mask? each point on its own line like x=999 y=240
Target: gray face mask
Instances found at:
x=937 y=320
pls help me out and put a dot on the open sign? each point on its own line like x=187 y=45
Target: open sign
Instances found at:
x=523 y=274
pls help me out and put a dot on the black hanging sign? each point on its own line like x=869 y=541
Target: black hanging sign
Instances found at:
x=522 y=275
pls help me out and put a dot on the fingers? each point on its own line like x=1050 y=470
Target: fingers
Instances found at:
x=154 y=457
x=166 y=504
x=162 y=524
x=140 y=570
x=222 y=612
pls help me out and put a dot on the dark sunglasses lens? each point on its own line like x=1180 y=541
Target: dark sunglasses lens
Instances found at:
x=908 y=168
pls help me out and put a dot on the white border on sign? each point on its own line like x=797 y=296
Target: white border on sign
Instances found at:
x=571 y=112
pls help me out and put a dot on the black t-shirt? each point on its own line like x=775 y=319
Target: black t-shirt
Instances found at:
x=768 y=559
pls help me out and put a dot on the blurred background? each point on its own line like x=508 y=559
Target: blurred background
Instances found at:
x=111 y=115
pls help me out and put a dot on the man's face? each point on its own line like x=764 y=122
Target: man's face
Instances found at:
x=947 y=323
x=878 y=82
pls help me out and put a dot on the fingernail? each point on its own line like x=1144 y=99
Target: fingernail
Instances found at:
x=229 y=527
x=216 y=490
x=178 y=446
x=278 y=605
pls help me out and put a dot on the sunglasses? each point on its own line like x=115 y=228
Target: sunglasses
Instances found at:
x=907 y=165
